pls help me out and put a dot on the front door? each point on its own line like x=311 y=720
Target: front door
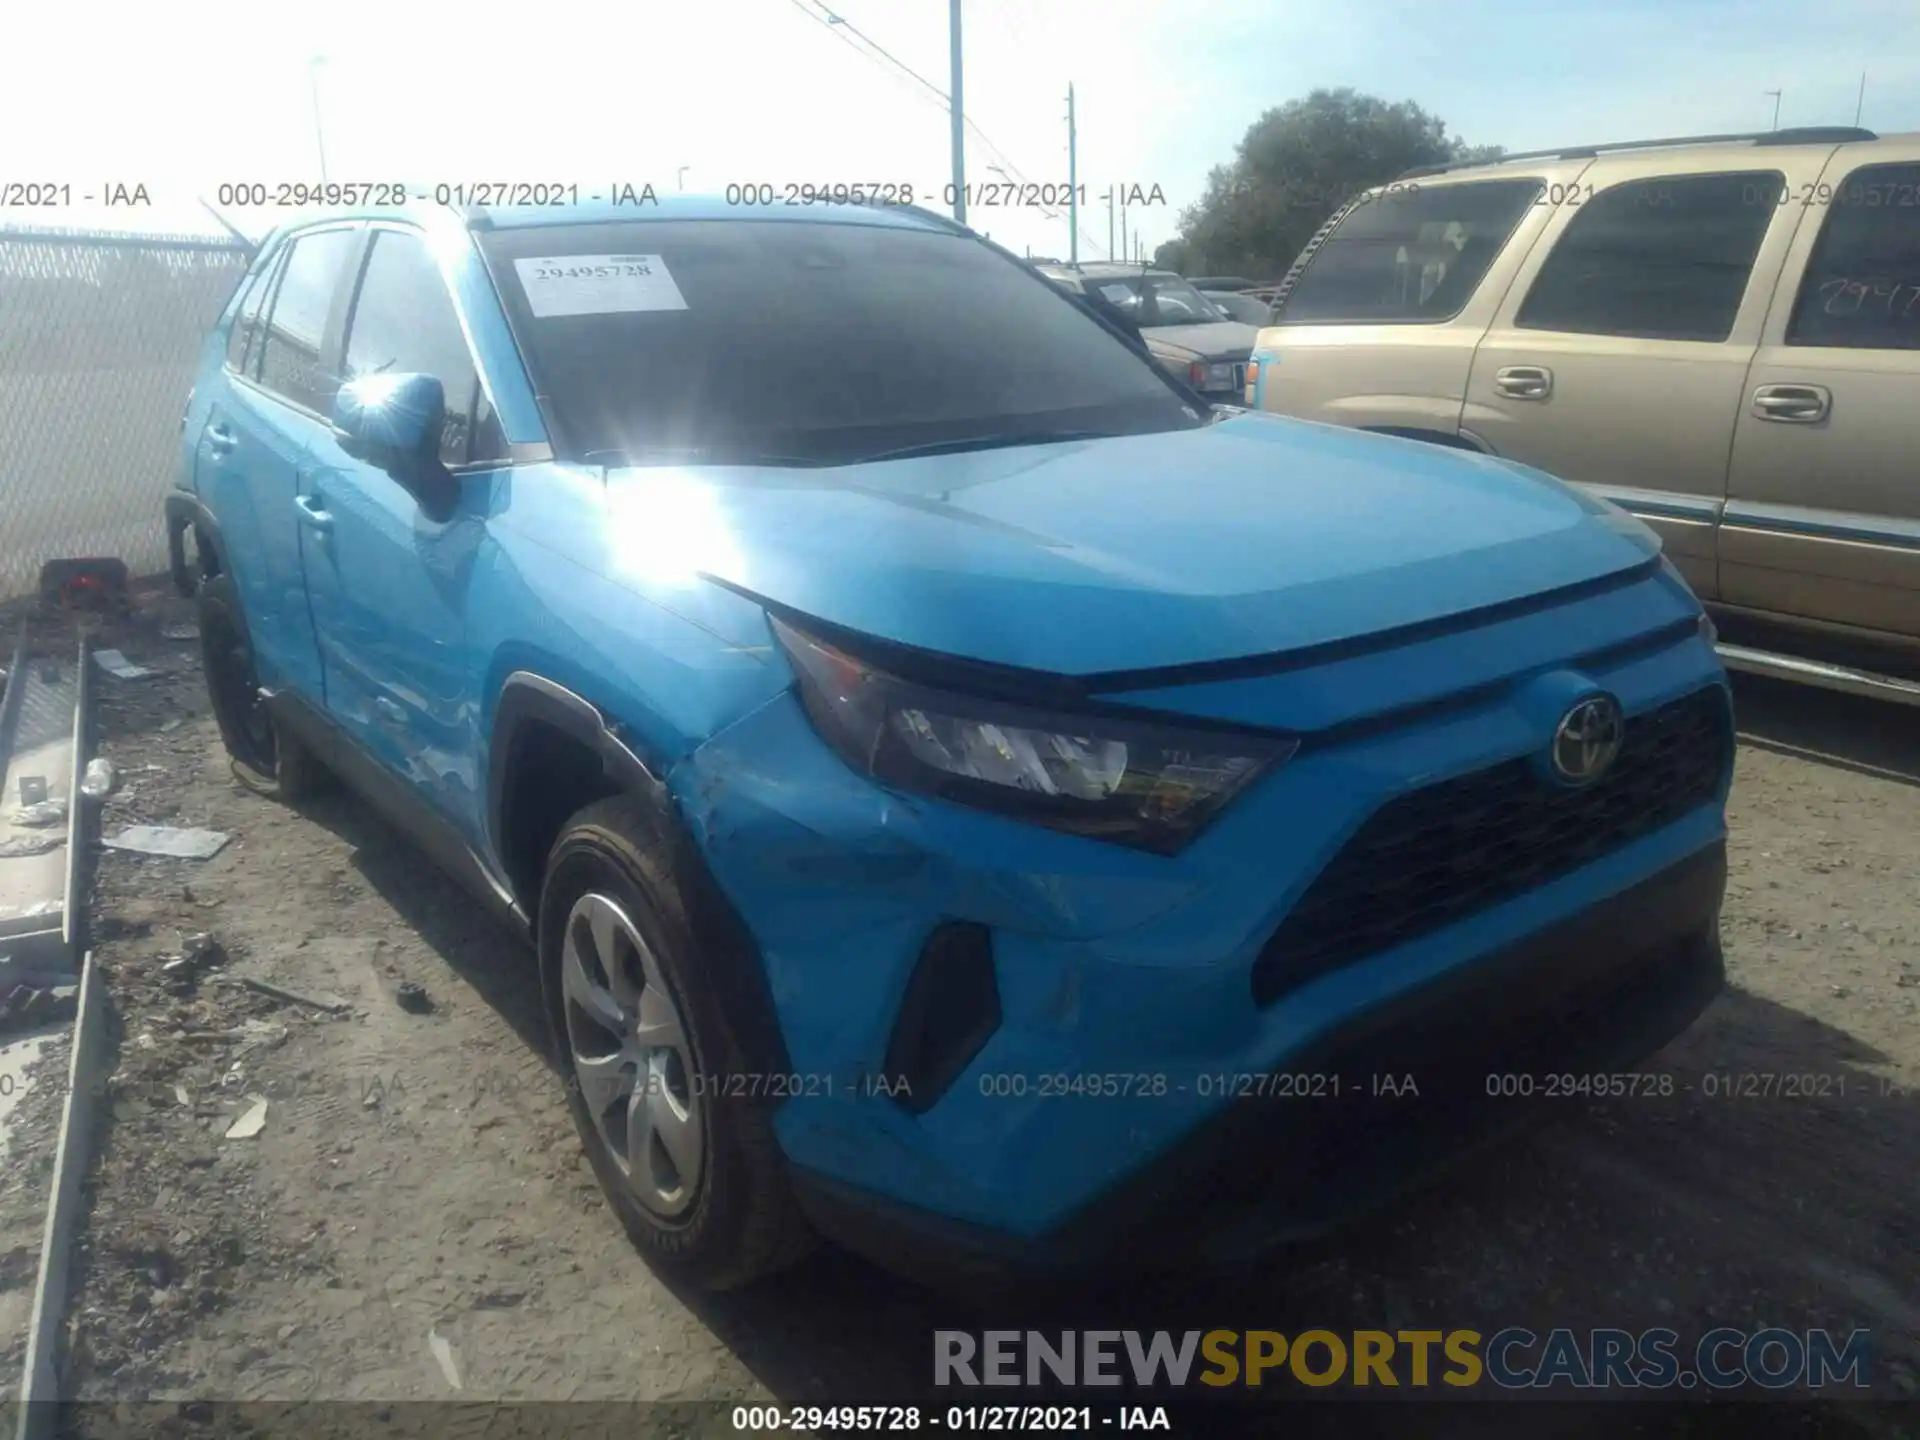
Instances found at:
x=387 y=581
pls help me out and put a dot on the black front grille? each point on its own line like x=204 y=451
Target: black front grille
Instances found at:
x=1440 y=854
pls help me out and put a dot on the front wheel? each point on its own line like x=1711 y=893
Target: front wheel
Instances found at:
x=688 y=1162
x=266 y=759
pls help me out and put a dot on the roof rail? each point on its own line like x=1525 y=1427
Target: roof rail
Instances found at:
x=1805 y=135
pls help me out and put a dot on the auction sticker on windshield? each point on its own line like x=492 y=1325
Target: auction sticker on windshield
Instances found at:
x=597 y=284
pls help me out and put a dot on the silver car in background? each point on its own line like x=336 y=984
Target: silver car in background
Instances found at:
x=1193 y=338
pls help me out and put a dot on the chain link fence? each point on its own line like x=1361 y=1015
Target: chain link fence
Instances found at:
x=100 y=334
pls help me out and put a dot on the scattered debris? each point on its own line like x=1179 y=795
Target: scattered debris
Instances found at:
x=185 y=843
x=413 y=998
x=443 y=1352
x=30 y=1007
x=98 y=781
x=33 y=790
x=23 y=845
x=202 y=949
x=185 y=1099
x=114 y=663
x=180 y=630
x=168 y=726
x=181 y=973
x=251 y=1122
x=280 y=992
x=47 y=812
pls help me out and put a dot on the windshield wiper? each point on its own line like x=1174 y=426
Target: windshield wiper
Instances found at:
x=689 y=455
x=982 y=442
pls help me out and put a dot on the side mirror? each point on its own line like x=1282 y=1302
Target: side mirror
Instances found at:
x=394 y=422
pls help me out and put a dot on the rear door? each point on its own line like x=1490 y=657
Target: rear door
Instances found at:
x=258 y=435
x=1618 y=358
x=1823 y=502
x=1379 y=328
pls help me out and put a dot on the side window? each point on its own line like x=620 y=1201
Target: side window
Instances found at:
x=1659 y=259
x=291 y=362
x=1862 y=286
x=241 y=346
x=1409 y=255
x=404 y=323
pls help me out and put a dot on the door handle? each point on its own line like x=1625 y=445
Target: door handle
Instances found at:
x=220 y=439
x=1523 y=382
x=312 y=515
x=1792 y=404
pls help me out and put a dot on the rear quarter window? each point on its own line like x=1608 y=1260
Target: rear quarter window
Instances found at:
x=1862 y=286
x=1412 y=255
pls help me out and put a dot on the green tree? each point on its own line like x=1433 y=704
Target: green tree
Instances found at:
x=1296 y=165
x=1173 y=255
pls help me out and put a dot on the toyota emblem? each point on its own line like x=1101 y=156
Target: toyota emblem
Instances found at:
x=1587 y=738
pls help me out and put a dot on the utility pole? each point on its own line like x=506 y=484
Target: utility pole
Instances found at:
x=1124 y=250
x=680 y=177
x=1111 y=252
x=1774 y=93
x=959 y=115
x=1861 y=103
x=314 y=62
x=1073 y=185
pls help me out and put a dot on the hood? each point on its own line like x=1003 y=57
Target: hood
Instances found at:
x=1221 y=340
x=1250 y=536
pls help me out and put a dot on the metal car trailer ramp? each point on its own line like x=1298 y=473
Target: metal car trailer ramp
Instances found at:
x=46 y=838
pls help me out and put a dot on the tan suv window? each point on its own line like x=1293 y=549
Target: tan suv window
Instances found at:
x=1409 y=255
x=1659 y=259
x=1862 y=287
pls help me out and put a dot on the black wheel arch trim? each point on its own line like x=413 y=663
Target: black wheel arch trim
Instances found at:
x=726 y=947
x=187 y=511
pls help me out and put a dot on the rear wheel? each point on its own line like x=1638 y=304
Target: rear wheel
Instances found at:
x=266 y=759
x=688 y=1162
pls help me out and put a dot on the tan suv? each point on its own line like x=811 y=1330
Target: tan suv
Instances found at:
x=1720 y=334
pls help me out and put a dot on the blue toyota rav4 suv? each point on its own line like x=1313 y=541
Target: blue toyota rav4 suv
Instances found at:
x=967 y=797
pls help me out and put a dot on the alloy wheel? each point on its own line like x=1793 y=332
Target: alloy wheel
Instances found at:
x=631 y=1057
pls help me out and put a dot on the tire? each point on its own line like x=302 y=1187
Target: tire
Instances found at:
x=266 y=758
x=706 y=1198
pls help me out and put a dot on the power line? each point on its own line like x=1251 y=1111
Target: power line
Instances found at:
x=840 y=25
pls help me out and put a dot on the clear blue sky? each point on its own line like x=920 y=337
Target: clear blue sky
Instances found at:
x=181 y=97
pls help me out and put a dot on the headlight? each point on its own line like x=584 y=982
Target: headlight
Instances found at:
x=1132 y=782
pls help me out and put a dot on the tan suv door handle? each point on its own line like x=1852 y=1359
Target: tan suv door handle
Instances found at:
x=1792 y=404
x=1523 y=382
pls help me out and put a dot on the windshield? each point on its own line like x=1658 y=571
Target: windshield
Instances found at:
x=1244 y=308
x=1156 y=300
x=794 y=342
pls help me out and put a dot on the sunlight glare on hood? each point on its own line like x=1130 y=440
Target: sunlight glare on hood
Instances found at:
x=665 y=529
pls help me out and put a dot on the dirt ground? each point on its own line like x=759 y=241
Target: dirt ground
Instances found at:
x=417 y=1180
